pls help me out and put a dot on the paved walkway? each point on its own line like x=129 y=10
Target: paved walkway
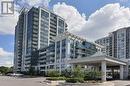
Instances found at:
x=121 y=82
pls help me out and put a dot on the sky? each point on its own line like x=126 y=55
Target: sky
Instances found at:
x=90 y=19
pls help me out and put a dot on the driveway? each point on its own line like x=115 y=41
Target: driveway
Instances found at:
x=121 y=82
x=13 y=81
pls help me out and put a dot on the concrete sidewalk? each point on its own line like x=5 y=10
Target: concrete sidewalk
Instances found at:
x=121 y=82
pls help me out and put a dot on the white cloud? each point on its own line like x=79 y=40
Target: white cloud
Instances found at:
x=73 y=18
x=8 y=23
x=6 y=63
x=4 y=53
x=30 y=3
x=6 y=58
x=105 y=20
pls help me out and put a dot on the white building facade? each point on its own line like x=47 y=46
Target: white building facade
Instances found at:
x=67 y=46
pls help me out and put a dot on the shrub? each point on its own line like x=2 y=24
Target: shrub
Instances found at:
x=75 y=80
x=77 y=75
x=78 y=72
x=71 y=80
x=56 y=78
x=53 y=74
x=67 y=73
x=92 y=75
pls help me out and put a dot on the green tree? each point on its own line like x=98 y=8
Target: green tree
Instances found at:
x=5 y=70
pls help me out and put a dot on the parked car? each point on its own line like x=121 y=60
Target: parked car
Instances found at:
x=109 y=77
x=14 y=74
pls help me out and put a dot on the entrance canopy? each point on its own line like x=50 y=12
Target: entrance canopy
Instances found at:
x=97 y=59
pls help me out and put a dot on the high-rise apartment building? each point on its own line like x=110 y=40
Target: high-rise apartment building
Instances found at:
x=35 y=30
x=121 y=43
x=118 y=43
x=106 y=43
x=19 y=49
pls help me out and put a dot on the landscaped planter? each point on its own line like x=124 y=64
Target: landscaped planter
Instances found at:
x=87 y=84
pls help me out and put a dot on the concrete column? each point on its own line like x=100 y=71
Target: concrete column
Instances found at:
x=60 y=55
x=121 y=71
x=112 y=69
x=127 y=71
x=103 y=69
x=72 y=67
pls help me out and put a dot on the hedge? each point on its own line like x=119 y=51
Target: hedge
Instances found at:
x=56 y=78
x=53 y=74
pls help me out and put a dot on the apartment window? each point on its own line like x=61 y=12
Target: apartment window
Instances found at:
x=53 y=16
x=44 y=14
x=72 y=43
x=64 y=42
x=58 y=44
x=63 y=53
x=61 y=23
x=60 y=30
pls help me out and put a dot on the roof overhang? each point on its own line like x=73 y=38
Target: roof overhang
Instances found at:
x=95 y=60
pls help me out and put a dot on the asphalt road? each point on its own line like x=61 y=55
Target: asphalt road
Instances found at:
x=13 y=81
